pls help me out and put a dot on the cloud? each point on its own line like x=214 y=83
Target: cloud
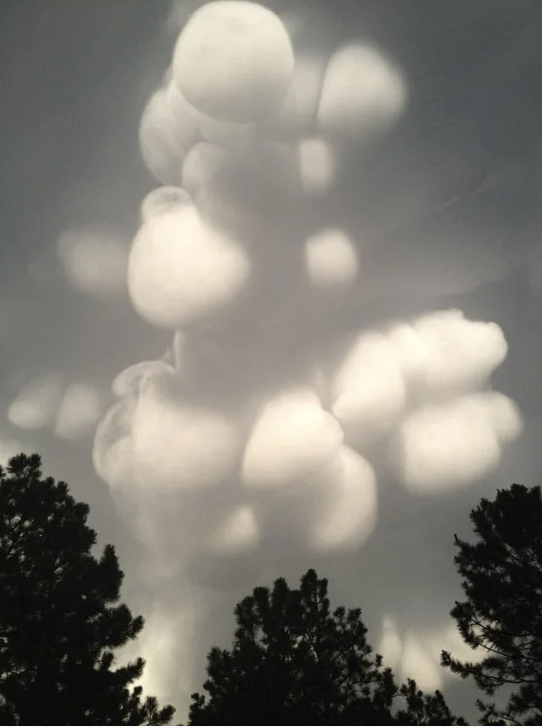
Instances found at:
x=284 y=425
x=94 y=261
x=318 y=163
x=128 y=382
x=249 y=193
x=79 y=411
x=163 y=200
x=416 y=652
x=293 y=436
x=173 y=445
x=112 y=452
x=296 y=115
x=351 y=508
x=362 y=94
x=286 y=454
x=169 y=127
x=233 y=60
x=36 y=404
x=227 y=552
x=202 y=163
x=453 y=444
x=181 y=269
x=331 y=259
x=229 y=135
x=460 y=354
x=178 y=445
x=368 y=389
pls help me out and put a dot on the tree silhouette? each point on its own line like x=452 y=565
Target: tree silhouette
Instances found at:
x=502 y=612
x=60 y=616
x=294 y=662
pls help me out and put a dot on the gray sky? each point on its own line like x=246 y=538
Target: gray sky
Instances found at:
x=442 y=207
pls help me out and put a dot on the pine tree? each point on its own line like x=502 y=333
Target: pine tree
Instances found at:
x=60 y=616
x=502 y=613
x=294 y=662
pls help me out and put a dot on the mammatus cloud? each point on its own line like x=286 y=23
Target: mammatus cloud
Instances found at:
x=233 y=61
x=71 y=410
x=266 y=427
x=416 y=654
x=446 y=445
x=350 y=507
x=331 y=259
x=163 y=141
x=93 y=262
x=36 y=404
x=440 y=424
x=181 y=268
x=80 y=409
x=292 y=438
x=362 y=93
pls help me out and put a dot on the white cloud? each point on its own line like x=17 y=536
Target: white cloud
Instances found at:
x=180 y=269
x=163 y=200
x=94 y=261
x=233 y=60
x=296 y=115
x=293 y=437
x=368 y=389
x=318 y=165
x=350 y=514
x=128 y=382
x=36 y=405
x=259 y=144
x=169 y=127
x=112 y=449
x=331 y=259
x=452 y=444
x=201 y=164
x=362 y=93
x=461 y=354
x=226 y=550
x=228 y=135
x=179 y=446
x=79 y=411
x=237 y=533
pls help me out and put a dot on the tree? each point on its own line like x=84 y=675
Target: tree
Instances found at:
x=294 y=662
x=502 y=612
x=60 y=616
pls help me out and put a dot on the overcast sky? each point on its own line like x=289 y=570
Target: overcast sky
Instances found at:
x=396 y=291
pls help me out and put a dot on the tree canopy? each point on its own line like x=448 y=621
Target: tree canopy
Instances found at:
x=295 y=662
x=501 y=614
x=60 y=613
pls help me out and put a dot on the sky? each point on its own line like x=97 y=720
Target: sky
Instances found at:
x=271 y=286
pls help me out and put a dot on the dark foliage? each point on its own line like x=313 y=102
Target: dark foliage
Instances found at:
x=294 y=662
x=502 y=612
x=60 y=616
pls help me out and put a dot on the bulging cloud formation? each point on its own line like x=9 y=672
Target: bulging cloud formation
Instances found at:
x=233 y=61
x=362 y=92
x=298 y=465
x=262 y=431
x=455 y=443
x=181 y=268
x=71 y=410
x=232 y=256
